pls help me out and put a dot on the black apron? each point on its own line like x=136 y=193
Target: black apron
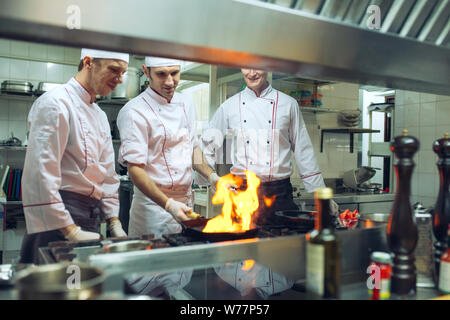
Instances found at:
x=85 y=212
x=282 y=190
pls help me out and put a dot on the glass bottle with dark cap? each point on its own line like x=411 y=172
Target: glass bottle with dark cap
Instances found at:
x=323 y=263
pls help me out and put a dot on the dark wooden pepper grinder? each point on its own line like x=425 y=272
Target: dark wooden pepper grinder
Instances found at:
x=441 y=213
x=402 y=233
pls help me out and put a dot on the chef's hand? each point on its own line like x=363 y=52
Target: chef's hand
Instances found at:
x=76 y=234
x=213 y=178
x=334 y=208
x=177 y=209
x=115 y=228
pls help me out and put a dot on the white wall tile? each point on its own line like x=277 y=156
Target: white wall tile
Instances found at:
x=427 y=162
x=72 y=54
x=19 y=128
x=411 y=112
x=4 y=129
x=37 y=71
x=427 y=97
x=427 y=185
x=441 y=130
x=4 y=68
x=19 y=69
x=399 y=98
x=55 y=53
x=20 y=48
x=18 y=110
x=38 y=51
x=427 y=135
x=68 y=72
x=427 y=114
x=411 y=97
x=4 y=109
x=443 y=112
x=399 y=116
x=5 y=46
x=55 y=72
x=442 y=98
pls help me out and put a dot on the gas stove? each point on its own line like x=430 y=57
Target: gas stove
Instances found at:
x=61 y=251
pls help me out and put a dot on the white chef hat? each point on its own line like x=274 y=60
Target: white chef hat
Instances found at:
x=104 y=54
x=161 y=62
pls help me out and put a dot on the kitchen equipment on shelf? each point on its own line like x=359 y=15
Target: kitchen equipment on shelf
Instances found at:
x=43 y=87
x=424 y=247
x=17 y=87
x=349 y=118
x=130 y=86
x=356 y=177
x=58 y=282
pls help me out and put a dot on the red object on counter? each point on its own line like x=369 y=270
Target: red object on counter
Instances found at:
x=383 y=268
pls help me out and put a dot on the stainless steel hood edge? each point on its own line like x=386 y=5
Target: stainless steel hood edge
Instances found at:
x=236 y=34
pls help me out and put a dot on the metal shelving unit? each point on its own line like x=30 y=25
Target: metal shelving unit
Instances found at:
x=350 y=131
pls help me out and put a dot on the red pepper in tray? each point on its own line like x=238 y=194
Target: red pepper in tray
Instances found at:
x=349 y=218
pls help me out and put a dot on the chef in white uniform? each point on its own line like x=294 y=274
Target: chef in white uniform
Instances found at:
x=69 y=182
x=160 y=148
x=266 y=125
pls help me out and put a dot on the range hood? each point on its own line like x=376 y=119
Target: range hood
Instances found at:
x=308 y=39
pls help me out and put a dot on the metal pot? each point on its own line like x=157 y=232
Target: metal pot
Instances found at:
x=59 y=282
x=17 y=87
x=130 y=86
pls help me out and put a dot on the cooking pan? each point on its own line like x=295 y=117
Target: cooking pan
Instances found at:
x=193 y=228
x=296 y=217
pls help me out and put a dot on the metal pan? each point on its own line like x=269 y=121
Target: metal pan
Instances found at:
x=296 y=217
x=193 y=228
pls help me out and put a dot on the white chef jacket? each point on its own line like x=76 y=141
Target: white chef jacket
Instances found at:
x=264 y=130
x=69 y=148
x=161 y=136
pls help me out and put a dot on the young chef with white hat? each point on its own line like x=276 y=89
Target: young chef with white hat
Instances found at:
x=69 y=181
x=267 y=126
x=159 y=146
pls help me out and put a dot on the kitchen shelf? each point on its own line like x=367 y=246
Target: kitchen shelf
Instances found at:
x=350 y=131
x=13 y=148
x=318 y=109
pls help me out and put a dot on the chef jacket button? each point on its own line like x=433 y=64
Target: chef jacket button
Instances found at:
x=243 y=102
x=245 y=120
x=267 y=163
x=271 y=102
x=270 y=121
x=248 y=141
x=268 y=141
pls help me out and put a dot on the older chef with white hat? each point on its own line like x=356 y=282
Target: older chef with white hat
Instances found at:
x=69 y=179
x=267 y=127
x=159 y=147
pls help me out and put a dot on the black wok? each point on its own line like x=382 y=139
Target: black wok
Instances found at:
x=296 y=217
x=193 y=228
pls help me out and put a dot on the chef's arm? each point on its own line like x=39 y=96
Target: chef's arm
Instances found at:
x=146 y=184
x=200 y=164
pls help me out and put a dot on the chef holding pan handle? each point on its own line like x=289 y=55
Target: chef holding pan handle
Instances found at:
x=160 y=148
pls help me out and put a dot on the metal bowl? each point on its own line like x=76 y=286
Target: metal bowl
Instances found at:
x=60 y=281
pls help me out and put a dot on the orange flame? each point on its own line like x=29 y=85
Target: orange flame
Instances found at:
x=269 y=200
x=238 y=206
x=248 y=264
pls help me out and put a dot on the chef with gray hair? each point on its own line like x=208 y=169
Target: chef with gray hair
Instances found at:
x=69 y=179
x=160 y=148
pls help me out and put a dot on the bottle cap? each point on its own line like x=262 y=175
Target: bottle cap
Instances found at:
x=324 y=193
x=379 y=256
